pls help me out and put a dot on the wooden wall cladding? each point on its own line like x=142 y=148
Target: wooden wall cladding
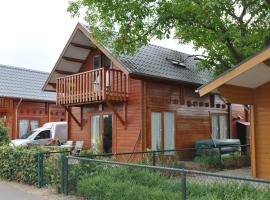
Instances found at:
x=262 y=130
x=41 y=111
x=124 y=139
x=238 y=110
x=192 y=118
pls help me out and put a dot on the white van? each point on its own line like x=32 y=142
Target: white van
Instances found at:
x=44 y=135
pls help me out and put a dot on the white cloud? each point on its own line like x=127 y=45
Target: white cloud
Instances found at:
x=34 y=32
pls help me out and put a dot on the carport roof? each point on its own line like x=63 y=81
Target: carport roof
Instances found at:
x=251 y=73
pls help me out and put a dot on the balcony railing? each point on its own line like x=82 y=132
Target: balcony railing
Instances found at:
x=92 y=86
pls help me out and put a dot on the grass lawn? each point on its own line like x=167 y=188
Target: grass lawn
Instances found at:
x=121 y=183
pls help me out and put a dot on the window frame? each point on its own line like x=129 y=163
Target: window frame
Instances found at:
x=29 y=119
x=218 y=114
x=162 y=111
x=99 y=61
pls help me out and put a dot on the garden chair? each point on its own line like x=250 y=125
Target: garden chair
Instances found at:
x=78 y=148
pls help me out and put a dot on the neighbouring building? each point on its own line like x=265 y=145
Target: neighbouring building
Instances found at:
x=249 y=83
x=23 y=104
x=139 y=102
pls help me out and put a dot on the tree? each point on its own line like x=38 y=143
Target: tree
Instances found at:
x=227 y=30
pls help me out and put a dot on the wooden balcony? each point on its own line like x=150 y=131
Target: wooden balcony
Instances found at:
x=92 y=86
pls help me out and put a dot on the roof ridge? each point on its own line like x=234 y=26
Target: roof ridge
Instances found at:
x=23 y=68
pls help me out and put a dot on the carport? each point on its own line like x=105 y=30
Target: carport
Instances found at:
x=249 y=83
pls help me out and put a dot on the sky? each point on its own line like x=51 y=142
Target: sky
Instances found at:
x=33 y=33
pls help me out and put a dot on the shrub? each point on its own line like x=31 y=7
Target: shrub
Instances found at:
x=209 y=159
x=18 y=164
x=3 y=135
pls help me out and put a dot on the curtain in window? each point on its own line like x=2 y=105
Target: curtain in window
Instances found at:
x=223 y=127
x=34 y=124
x=156 y=130
x=169 y=131
x=23 y=127
x=95 y=140
x=214 y=124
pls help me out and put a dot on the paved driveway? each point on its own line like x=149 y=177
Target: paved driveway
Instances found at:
x=11 y=192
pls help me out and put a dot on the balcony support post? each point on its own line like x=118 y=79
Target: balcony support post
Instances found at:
x=123 y=121
x=80 y=124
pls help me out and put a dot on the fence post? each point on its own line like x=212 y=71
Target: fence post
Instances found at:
x=40 y=169
x=64 y=174
x=220 y=156
x=154 y=158
x=184 y=185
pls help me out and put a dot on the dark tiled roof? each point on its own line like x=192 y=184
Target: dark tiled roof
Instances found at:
x=23 y=83
x=153 y=61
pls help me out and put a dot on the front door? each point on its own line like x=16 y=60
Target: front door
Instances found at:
x=107 y=133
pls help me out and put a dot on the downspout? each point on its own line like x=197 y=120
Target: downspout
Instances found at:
x=230 y=120
x=16 y=117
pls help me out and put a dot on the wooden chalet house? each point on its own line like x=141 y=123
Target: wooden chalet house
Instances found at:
x=23 y=104
x=134 y=103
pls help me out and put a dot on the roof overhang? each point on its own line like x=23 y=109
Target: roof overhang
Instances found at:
x=74 y=56
x=249 y=74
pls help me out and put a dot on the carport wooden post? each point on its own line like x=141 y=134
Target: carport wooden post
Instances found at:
x=64 y=174
x=40 y=169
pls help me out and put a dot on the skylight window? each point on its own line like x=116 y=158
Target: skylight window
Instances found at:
x=177 y=62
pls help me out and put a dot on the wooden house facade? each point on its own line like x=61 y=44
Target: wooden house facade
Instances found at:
x=134 y=103
x=249 y=83
x=23 y=105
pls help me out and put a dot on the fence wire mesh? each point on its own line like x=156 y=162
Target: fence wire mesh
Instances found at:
x=110 y=178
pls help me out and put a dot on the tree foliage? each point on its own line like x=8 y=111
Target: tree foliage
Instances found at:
x=227 y=30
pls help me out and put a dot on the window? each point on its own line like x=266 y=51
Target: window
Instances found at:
x=23 y=127
x=26 y=125
x=163 y=135
x=169 y=131
x=219 y=126
x=106 y=62
x=96 y=62
x=95 y=125
x=177 y=62
x=156 y=130
x=43 y=135
x=34 y=124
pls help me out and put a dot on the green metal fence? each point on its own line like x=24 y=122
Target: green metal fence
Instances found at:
x=191 y=182
x=49 y=167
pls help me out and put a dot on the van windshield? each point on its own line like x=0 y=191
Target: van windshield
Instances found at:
x=27 y=135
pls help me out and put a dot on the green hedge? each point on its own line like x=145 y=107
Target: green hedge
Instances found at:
x=3 y=135
x=18 y=164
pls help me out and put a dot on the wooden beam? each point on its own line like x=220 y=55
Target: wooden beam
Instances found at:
x=252 y=143
x=73 y=117
x=236 y=94
x=52 y=84
x=81 y=46
x=267 y=62
x=64 y=72
x=74 y=59
x=116 y=113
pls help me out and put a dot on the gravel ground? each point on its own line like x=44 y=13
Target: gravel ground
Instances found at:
x=17 y=191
